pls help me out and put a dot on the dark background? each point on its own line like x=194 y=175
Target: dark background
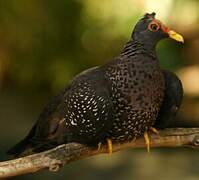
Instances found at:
x=43 y=44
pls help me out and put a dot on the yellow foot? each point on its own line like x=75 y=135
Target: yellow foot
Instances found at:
x=110 y=146
x=152 y=129
x=147 y=141
x=147 y=138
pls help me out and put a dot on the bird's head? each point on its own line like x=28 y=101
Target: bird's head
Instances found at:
x=149 y=30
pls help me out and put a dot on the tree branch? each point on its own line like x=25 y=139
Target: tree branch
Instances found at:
x=64 y=154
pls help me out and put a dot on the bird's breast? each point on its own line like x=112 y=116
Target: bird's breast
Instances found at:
x=139 y=85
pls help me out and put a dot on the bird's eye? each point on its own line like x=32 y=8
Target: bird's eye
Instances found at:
x=153 y=27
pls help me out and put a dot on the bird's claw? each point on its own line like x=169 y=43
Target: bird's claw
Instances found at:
x=147 y=141
x=154 y=130
x=147 y=138
x=109 y=146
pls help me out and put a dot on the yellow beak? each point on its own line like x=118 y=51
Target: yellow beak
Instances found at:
x=176 y=36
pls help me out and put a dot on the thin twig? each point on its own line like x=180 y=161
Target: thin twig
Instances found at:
x=64 y=154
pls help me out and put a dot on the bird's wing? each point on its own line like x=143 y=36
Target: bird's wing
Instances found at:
x=50 y=130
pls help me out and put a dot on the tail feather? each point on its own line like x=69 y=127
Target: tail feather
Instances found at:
x=24 y=147
x=30 y=145
x=21 y=149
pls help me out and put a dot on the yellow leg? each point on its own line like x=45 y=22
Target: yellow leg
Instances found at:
x=147 y=141
x=110 y=146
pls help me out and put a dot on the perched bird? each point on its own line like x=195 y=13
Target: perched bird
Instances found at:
x=118 y=101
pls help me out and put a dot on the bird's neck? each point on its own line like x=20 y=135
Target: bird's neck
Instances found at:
x=134 y=47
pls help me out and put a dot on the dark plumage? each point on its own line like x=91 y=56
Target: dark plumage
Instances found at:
x=172 y=100
x=119 y=100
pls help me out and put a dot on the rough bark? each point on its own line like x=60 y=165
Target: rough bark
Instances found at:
x=64 y=154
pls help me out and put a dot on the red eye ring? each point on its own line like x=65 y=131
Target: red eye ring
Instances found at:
x=153 y=26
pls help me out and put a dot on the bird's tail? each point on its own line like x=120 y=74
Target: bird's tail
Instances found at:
x=24 y=147
x=30 y=145
x=21 y=149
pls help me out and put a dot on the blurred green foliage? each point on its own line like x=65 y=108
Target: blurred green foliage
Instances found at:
x=47 y=43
